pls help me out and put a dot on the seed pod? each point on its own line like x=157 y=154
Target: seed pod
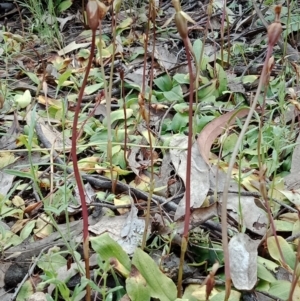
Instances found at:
x=274 y=32
x=102 y=9
x=92 y=14
x=181 y=25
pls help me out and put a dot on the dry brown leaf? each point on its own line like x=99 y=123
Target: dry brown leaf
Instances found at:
x=214 y=129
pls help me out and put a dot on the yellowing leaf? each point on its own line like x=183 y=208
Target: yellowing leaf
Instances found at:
x=88 y=164
x=24 y=100
x=43 y=226
x=18 y=225
x=57 y=104
x=286 y=249
x=6 y=158
x=18 y=202
x=125 y=23
x=123 y=199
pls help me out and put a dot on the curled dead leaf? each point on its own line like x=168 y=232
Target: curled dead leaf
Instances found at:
x=212 y=130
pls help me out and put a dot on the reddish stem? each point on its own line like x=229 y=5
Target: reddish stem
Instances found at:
x=77 y=172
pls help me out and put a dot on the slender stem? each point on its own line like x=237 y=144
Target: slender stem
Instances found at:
x=151 y=186
x=185 y=235
x=77 y=172
x=229 y=172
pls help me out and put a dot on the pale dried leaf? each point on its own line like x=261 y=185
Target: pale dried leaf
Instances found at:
x=243 y=261
x=125 y=229
x=72 y=46
x=254 y=218
x=199 y=173
x=6 y=181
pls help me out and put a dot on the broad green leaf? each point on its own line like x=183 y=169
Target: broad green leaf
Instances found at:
x=197 y=47
x=181 y=107
x=17 y=173
x=234 y=296
x=107 y=248
x=174 y=95
x=64 y=5
x=137 y=287
x=6 y=211
x=118 y=115
x=92 y=88
x=51 y=261
x=160 y=285
x=296 y=228
x=264 y=274
x=263 y=286
x=229 y=144
x=292 y=196
x=249 y=79
x=26 y=291
x=283 y=226
x=181 y=78
x=286 y=249
x=125 y=23
x=280 y=289
x=23 y=100
x=179 y=122
x=164 y=83
x=208 y=90
x=7 y=158
x=202 y=121
x=136 y=53
x=33 y=77
x=26 y=231
x=196 y=292
x=63 y=77
x=222 y=78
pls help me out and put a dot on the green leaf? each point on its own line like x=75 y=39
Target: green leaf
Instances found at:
x=17 y=173
x=64 y=5
x=270 y=265
x=27 y=229
x=92 y=88
x=107 y=248
x=264 y=274
x=181 y=78
x=229 y=144
x=286 y=249
x=33 y=77
x=174 y=95
x=118 y=115
x=181 y=107
x=234 y=296
x=23 y=100
x=136 y=53
x=202 y=121
x=26 y=291
x=51 y=262
x=137 y=287
x=164 y=83
x=161 y=287
x=179 y=122
x=283 y=226
x=249 y=79
x=280 y=289
x=63 y=77
x=197 y=47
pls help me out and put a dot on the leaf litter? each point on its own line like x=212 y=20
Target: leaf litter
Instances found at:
x=38 y=193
